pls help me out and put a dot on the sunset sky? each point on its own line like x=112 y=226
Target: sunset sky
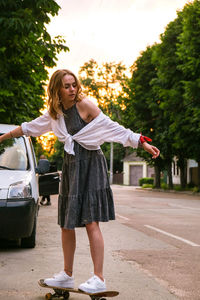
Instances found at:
x=110 y=30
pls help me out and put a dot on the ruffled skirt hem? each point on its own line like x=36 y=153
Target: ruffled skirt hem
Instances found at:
x=79 y=210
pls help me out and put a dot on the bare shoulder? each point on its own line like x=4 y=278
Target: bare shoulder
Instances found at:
x=87 y=103
x=87 y=107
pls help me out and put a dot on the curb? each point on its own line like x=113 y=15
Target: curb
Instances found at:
x=169 y=191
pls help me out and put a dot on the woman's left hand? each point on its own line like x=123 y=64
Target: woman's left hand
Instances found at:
x=151 y=149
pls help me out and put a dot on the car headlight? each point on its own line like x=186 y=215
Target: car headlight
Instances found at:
x=19 y=190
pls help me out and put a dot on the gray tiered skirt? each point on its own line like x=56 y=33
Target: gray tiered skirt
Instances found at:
x=85 y=194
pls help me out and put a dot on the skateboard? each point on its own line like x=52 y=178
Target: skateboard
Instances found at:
x=64 y=293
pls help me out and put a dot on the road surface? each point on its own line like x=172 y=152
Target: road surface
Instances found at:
x=152 y=250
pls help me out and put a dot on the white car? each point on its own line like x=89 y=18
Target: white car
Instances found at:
x=19 y=190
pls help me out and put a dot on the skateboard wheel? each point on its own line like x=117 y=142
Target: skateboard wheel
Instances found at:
x=48 y=296
x=66 y=295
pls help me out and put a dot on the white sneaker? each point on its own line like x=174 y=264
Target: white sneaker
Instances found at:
x=93 y=285
x=60 y=280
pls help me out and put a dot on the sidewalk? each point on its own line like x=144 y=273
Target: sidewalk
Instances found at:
x=168 y=191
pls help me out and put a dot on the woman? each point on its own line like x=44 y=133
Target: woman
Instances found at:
x=85 y=196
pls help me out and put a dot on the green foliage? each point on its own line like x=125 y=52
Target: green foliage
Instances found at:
x=188 y=49
x=58 y=155
x=195 y=190
x=118 y=155
x=163 y=93
x=143 y=113
x=177 y=188
x=147 y=185
x=164 y=186
x=146 y=180
x=161 y=99
x=27 y=50
x=38 y=149
x=103 y=83
x=169 y=88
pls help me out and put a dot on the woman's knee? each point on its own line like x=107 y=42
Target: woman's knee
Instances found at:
x=66 y=231
x=91 y=227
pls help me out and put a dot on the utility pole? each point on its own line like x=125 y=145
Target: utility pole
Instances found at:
x=111 y=163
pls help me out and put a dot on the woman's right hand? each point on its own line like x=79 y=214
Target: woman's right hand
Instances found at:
x=151 y=149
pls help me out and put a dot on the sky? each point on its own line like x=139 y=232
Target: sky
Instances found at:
x=109 y=30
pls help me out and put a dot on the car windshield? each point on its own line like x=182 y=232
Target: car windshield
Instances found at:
x=13 y=154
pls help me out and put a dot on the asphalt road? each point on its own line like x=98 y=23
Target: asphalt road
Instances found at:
x=152 y=250
x=169 y=251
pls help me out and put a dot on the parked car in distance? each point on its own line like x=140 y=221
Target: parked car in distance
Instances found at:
x=19 y=189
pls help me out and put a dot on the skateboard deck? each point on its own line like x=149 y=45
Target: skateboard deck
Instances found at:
x=64 y=293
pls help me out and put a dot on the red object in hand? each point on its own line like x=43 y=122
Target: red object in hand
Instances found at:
x=144 y=138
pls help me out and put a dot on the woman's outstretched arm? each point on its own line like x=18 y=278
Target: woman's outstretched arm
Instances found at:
x=12 y=134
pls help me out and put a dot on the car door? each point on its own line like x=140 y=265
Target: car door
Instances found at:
x=49 y=184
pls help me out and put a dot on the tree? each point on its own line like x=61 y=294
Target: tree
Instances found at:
x=142 y=113
x=26 y=50
x=104 y=84
x=58 y=154
x=168 y=85
x=188 y=50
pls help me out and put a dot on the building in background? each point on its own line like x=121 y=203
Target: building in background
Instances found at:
x=134 y=168
x=192 y=171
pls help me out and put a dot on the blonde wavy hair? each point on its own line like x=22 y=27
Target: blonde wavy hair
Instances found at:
x=54 y=86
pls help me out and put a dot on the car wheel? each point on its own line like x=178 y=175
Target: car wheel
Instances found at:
x=30 y=241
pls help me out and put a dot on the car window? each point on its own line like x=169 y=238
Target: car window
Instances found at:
x=13 y=154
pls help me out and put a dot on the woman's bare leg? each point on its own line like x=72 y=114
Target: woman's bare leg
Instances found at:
x=96 y=247
x=69 y=246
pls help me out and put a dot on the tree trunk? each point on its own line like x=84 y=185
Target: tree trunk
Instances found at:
x=198 y=175
x=182 y=162
x=169 y=173
x=157 y=176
